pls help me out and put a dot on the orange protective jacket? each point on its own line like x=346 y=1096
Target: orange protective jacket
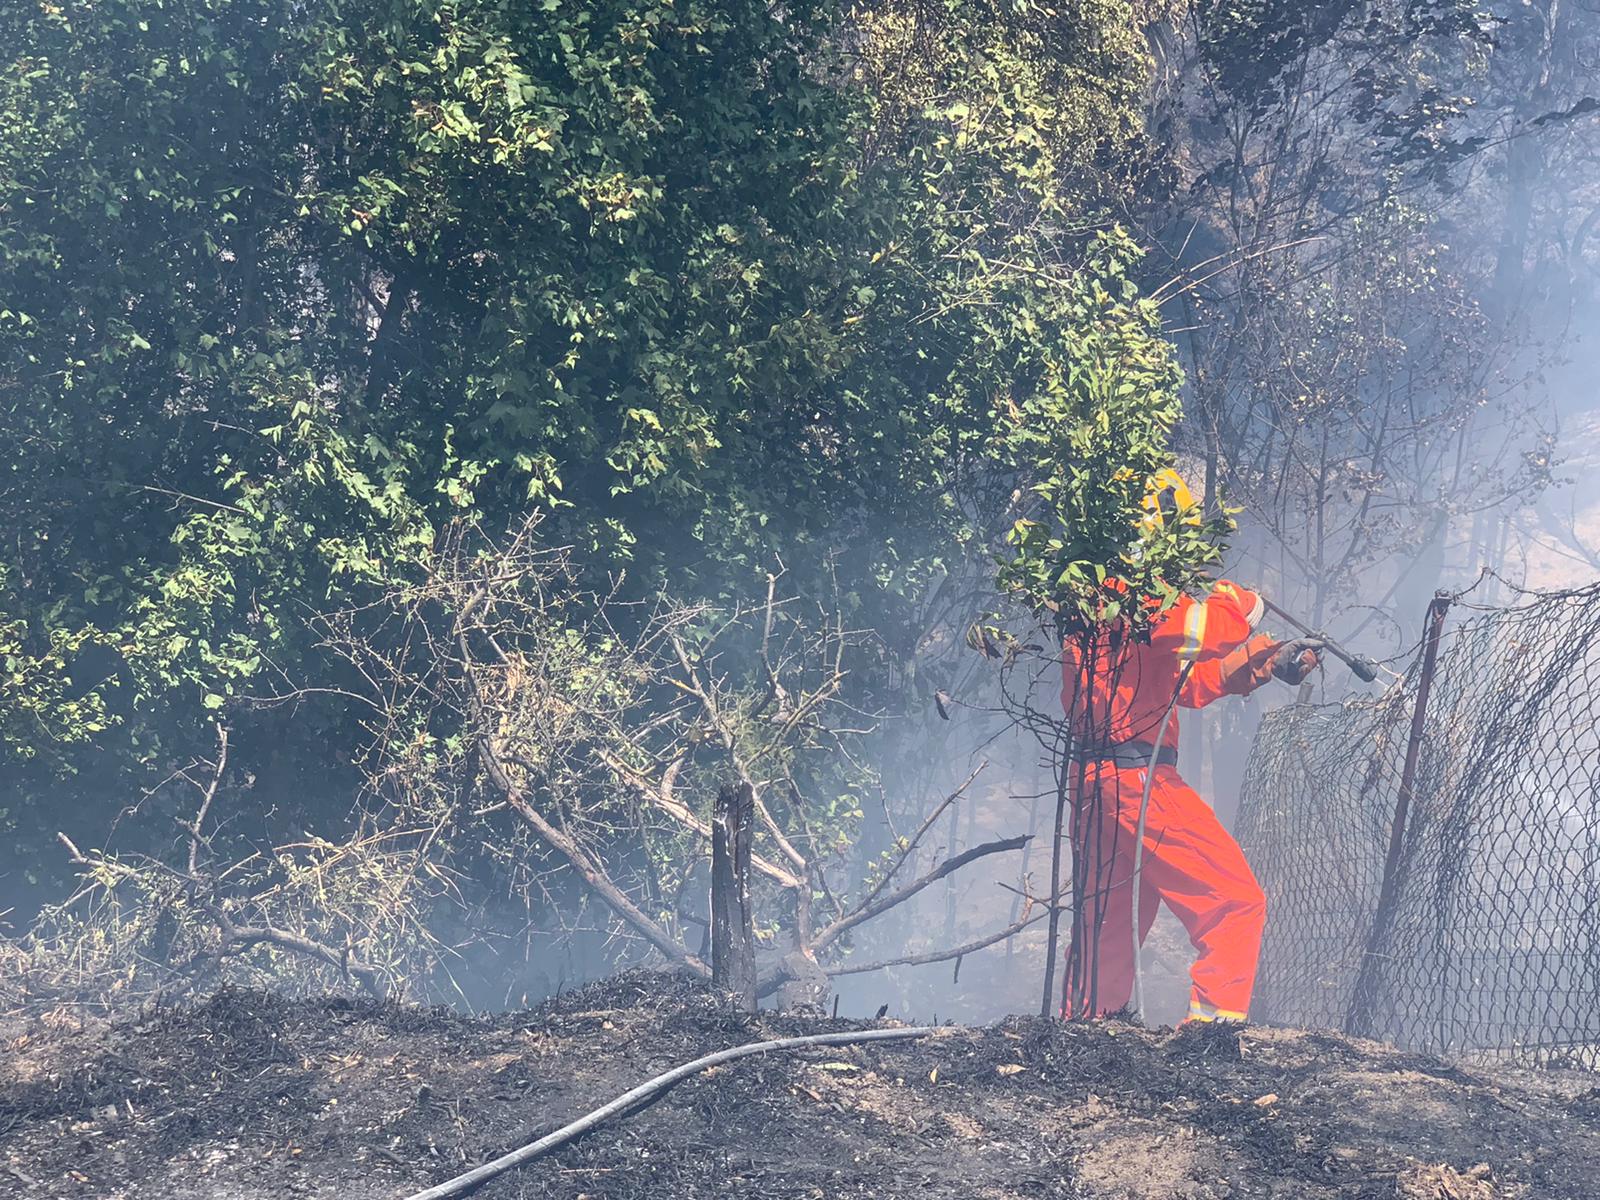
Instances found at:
x=1123 y=691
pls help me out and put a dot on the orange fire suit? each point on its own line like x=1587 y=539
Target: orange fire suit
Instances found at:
x=1116 y=694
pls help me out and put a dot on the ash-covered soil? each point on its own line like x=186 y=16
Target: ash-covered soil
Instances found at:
x=252 y=1096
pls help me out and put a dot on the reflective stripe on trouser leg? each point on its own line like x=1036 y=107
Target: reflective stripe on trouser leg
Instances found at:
x=1199 y=1010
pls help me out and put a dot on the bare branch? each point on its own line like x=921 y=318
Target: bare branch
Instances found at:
x=911 y=845
x=563 y=843
x=850 y=920
x=933 y=956
x=209 y=794
x=680 y=812
x=79 y=859
x=714 y=714
x=236 y=937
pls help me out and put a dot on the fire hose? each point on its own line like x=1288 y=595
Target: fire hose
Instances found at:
x=648 y=1090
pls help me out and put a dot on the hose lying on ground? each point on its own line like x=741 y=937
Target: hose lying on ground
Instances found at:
x=651 y=1088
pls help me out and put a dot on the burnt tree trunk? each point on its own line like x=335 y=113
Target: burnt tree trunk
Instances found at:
x=733 y=949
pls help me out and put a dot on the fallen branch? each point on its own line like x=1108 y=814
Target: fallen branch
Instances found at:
x=649 y=1090
x=564 y=844
x=866 y=912
x=79 y=859
x=933 y=956
x=593 y=875
x=241 y=936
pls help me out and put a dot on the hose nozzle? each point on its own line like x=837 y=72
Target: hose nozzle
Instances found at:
x=1362 y=667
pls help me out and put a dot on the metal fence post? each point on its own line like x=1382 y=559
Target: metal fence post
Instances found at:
x=1358 y=1017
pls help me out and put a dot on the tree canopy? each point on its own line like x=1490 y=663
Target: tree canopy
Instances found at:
x=716 y=287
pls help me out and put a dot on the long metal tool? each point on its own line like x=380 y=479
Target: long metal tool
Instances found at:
x=1360 y=665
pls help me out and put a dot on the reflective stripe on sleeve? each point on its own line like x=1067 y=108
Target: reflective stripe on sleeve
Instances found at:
x=1194 y=629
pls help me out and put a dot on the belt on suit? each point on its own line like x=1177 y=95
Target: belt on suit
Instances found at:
x=1128 y=754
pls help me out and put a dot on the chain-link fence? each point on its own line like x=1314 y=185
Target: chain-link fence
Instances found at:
x=1434 y=880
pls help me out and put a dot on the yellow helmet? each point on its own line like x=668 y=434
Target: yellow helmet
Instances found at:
x=1169 y=499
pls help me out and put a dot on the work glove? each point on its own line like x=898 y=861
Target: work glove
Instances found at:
x=1293 y=661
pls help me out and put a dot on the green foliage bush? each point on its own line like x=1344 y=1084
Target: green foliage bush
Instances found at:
x=716 y=286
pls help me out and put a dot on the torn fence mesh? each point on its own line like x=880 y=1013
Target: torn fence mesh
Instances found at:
x=1491 y=942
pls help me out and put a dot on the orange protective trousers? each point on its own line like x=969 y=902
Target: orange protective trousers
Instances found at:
x=1192 y=865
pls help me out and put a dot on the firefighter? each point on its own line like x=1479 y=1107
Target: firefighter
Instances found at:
x=1119 y=695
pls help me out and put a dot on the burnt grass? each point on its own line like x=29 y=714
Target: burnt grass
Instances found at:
x=249 y=1095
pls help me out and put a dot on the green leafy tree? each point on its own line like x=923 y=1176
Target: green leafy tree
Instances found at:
x=1088 y=442
x=289 y=288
